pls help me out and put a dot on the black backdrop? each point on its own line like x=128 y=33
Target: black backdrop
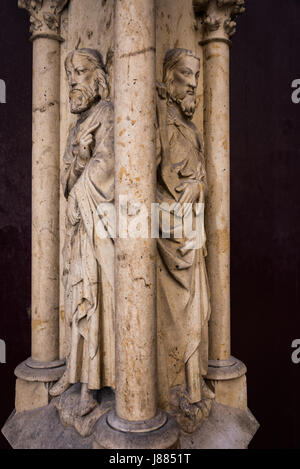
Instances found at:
x=265 y=221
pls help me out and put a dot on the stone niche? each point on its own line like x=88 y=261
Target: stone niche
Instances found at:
x=131 y=334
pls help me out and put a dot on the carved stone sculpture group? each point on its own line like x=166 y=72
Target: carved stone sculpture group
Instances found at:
x=183 y=299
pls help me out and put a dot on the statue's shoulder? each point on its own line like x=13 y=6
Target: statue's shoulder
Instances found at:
x=105 y=108
x=102 y=114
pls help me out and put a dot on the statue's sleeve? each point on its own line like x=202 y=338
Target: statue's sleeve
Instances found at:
x=70 y=171
x=101 y=167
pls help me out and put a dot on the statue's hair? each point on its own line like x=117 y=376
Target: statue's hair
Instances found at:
x=95 y=57
x=172 y=58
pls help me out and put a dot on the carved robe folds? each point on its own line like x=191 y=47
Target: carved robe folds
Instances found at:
x=183 y=291
x=88 y=258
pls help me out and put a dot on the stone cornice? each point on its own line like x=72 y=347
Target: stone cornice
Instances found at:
x=218 y=18
x=44 y=17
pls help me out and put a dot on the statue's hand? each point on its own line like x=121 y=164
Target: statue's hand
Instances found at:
x=85 y=142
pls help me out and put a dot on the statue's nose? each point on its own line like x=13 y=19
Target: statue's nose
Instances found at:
x=73 y=80
x=193 y=83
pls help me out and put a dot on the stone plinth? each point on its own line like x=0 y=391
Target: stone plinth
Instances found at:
x=226 y=428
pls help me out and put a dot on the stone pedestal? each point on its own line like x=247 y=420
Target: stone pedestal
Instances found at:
x=226 y=428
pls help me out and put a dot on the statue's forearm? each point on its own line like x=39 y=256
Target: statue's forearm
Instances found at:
x=72 y=175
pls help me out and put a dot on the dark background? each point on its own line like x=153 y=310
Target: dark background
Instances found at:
x=265 y=218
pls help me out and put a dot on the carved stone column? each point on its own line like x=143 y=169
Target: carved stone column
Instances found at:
x=136 y=421
x=44 y=365
x=217 y=18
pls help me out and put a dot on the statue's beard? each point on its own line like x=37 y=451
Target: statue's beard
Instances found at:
x=83 y=97
x=186 y=102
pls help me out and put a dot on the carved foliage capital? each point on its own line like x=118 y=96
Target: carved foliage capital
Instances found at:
x=219 y=16
x=44 y=15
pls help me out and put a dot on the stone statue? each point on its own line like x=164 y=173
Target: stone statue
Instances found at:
x=183 y=290
x=88 y=181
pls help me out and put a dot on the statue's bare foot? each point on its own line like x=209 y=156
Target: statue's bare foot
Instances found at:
x=87 y=401
x=207 y=393
x=61 y=386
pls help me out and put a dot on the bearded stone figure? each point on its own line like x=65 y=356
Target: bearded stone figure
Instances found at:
x=88 y=182
x=183 y=290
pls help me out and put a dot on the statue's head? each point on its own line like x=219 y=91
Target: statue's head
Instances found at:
x=87 y=79
x=180 y=75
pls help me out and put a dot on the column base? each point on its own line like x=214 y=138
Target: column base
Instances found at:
x=161 y=432
x=228 y=378
x=34 y=380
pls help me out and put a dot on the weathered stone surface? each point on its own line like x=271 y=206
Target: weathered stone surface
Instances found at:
x=228 y=379
x=135 y=168
x=69 y=402
x=107 y=436
x=226 y=428
x=31 y=395
x=42 y=429
x=232 y=393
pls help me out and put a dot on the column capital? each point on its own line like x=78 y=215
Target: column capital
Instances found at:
x=218 y=18
x=44 y=17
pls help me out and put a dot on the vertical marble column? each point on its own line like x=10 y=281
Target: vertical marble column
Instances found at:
x=44 y=365
x=135 y=182
x=218 y=25
x=136 y=422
